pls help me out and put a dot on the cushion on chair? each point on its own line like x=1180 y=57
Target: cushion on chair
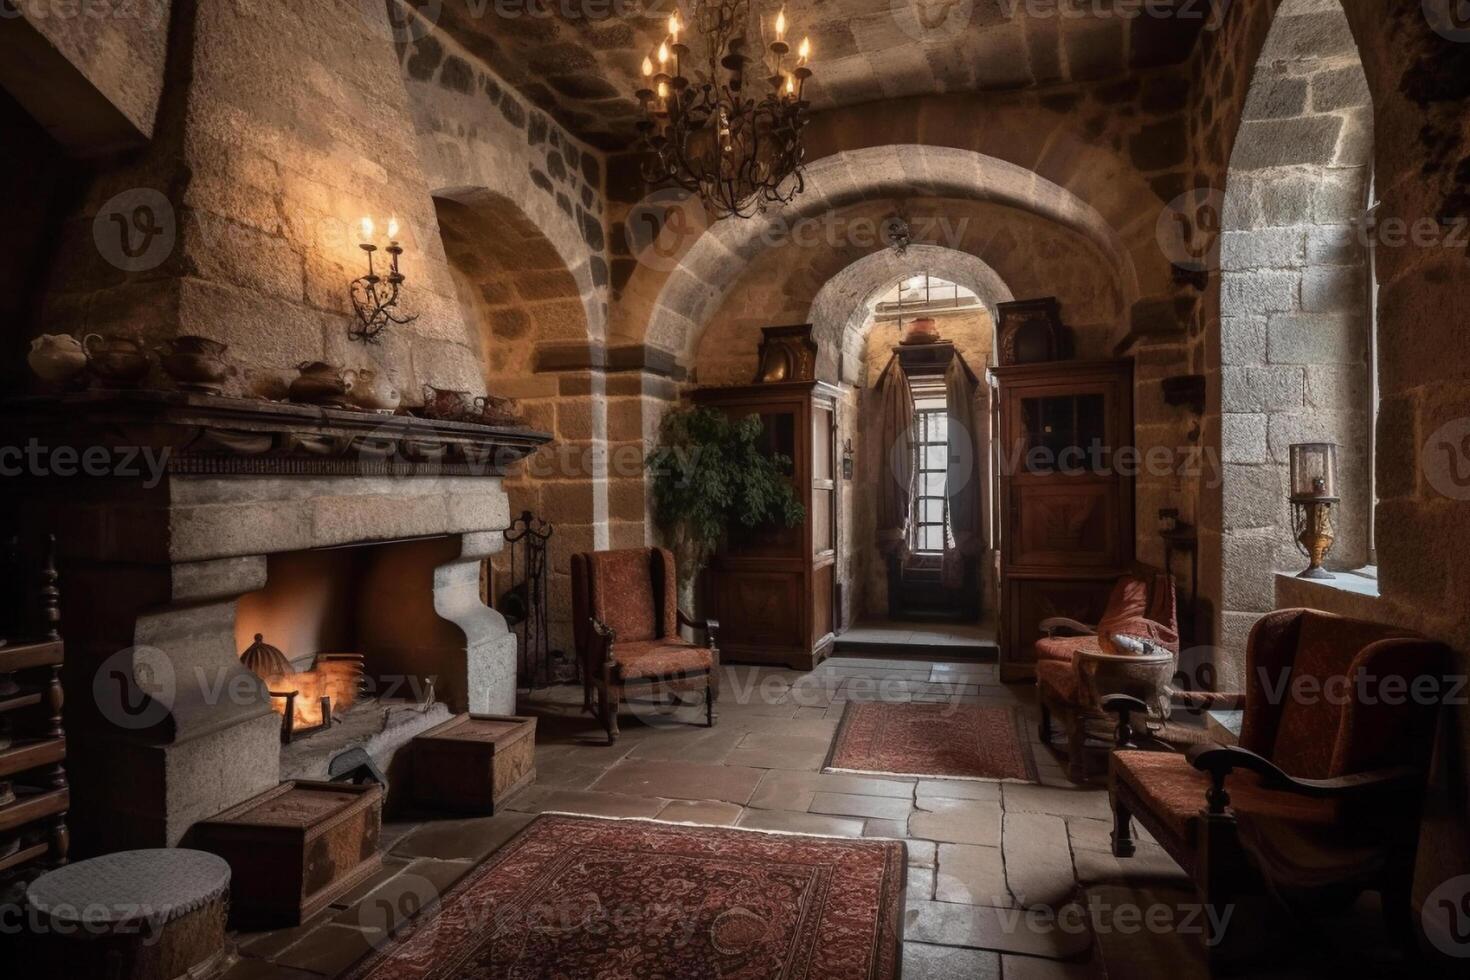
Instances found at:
x=1063 y=649
x=660 y=658
x=1057 y=680
x=622 y=593
x=1128 y=599
x=1174 y=792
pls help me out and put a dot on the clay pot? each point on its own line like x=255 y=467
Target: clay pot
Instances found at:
x=921 y=330
x=445 y=403
x=56 y=357
x=195 y=363
x=498 y=410
x=320 y=383
x=116 y=361
x=373 y=392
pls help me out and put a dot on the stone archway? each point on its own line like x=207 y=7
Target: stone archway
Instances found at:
x=1296 y=303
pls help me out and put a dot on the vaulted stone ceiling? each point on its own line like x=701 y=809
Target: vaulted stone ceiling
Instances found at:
x=579 y=59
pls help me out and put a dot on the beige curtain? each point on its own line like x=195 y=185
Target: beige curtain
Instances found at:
x=896 y=443
x=962 y=479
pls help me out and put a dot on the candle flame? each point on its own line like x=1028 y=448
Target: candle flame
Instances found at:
x=663 y=90
x=367 y=229
x=790 y=85
x=674 y=25
x=781 y=24
x=805 y=50
x=393 y=228
x=647 y=67
x=663 y=52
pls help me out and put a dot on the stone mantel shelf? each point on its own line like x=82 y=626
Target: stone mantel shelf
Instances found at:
x=220 y=436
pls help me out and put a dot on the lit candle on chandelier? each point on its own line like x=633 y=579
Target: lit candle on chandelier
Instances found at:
x=674 y=26
x=393 y=230
x=663 y=54
x=647 y=67
x=781 y=25
x=367 y=230
x=804 y=51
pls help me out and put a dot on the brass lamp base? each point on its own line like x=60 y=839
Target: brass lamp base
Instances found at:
x=1314 y=534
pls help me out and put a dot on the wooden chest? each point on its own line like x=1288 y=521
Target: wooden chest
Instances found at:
x=295 y=848
x=472 y=762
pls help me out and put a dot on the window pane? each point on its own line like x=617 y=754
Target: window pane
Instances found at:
x=931 y=484
x=931 y=539
x=932 y=512
x=935 y=458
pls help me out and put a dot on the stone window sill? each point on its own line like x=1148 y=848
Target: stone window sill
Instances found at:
x=1350 y=593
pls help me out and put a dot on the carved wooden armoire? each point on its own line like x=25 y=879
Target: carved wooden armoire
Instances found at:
x=1066 y=495
x=773 y=588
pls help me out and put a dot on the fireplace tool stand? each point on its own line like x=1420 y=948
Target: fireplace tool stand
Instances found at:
x=524 y=604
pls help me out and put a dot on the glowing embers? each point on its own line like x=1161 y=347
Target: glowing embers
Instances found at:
x=306 y=700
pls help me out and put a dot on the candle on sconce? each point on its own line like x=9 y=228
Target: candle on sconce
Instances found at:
x=393 y=230
x=663 y=53
x=367 y=230
x=781 y=25
x=804 y=51
x=674 y=26
x=647 y=67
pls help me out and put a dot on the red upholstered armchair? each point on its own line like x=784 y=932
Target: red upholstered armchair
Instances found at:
x=626 y=621
x=1321 y=796
x=1143 y=603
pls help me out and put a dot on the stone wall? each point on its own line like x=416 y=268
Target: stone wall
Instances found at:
x=1295 y=319
x=242 y=213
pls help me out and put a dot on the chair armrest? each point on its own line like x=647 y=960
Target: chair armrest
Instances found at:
x=1221 y=760
x=709 y=627
x=1053 y=625
x=1207 y=700
x=605 y=636
x=1125 y=735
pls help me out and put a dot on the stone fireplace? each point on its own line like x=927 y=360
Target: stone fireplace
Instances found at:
x=328 y=532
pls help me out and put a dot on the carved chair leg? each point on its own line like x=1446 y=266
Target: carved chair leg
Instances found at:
x=1043 y=729
x=1076 y=750
x=611 y=722
x=1123 y=846
x=709 y=703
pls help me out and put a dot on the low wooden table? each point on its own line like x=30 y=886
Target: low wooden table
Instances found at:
x=472 y=762
x=136 y=915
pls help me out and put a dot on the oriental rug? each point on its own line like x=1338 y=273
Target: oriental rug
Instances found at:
x=939 y=741
x=574 y=896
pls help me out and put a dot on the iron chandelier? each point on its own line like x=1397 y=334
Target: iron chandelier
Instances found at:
x=731 y=133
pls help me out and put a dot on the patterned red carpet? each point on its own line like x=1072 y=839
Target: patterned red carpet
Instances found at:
x=585 y=897
x=956 y=741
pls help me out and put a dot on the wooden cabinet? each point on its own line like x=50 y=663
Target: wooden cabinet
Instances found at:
x=772 y=588
x=1065 y=459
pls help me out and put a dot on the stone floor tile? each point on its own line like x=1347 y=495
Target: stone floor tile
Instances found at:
x=957 y=821
x=709 y=812
x=561 y=774
x=1097 y=835
x=1002 y=930
x=329 y=949
x=1129 y=947
x=468 y=839
x=594 y=804
x=920 y=883
x=896 y=829
x=958 y=789
x=922 y=961
x=922 y=853
x=1079 y=802
x=807 y=759
x=709 y=748
x=1034 y=968
x=852 y=805
x=1038 y=859
x=801 y=823
x=971 y=875
x=389 y=906
x=1150 y=865
x=680 y=780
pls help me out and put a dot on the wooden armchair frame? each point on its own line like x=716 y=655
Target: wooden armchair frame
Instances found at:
x=603 y=691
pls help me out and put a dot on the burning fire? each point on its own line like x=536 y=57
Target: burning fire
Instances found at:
x=335 y=677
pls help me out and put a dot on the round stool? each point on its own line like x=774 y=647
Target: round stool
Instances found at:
x=134 y=915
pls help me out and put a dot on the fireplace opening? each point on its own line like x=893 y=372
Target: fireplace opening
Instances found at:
x=336 y=637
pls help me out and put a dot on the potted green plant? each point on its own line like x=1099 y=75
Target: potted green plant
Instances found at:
x=709 y=473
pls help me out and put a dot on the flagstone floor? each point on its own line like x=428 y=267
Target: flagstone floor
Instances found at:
x=1005 y=880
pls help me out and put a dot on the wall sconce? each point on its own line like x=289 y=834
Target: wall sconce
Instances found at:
x=374 y=297
x=1313 y=495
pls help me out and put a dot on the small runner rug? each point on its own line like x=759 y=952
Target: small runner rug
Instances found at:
x=575 y=896
x=942 y=741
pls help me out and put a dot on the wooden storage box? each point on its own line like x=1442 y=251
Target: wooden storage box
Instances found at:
x=295 y=848
x=472 y=762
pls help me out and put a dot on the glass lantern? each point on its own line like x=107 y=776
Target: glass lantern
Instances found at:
x=1313 y=472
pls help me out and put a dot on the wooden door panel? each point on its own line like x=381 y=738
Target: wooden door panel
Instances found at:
x=760 y=609
x=1029 y=601
x=1065 y=523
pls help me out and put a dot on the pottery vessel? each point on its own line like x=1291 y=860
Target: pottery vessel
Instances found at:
x=116 y=361
x=320 y=383
x=195 y=363
x=56 y=357
x=373 y=392
x=498 y=410
x=921 y=330
x=446 y=403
